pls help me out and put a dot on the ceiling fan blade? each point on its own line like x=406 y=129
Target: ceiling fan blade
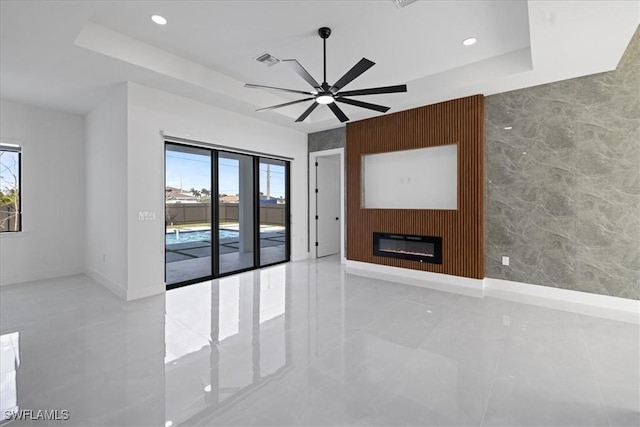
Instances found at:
x=357 y=103
x=300 y=70
x=374 y=90
x=338 y=112
x=273 y=107
x=363 y=65
x=252 y=86
x=307 y=112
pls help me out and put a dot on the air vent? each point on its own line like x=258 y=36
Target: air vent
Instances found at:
x=267 y=59
x=403 y=3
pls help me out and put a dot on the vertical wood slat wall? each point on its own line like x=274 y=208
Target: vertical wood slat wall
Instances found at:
x=458 y=121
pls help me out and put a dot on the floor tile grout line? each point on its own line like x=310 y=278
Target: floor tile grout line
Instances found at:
x=412 y=353
x=498 y=364
x=179 y=322
x=593 y=370
x=600 y=346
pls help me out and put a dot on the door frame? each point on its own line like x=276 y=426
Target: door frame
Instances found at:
x=312 y=199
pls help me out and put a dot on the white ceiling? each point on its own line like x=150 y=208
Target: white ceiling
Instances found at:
x=68 y=54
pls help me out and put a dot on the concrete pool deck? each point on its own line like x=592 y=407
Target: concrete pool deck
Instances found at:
x=192 y=259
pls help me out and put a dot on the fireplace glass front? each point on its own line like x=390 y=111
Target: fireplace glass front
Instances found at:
x=404 y=246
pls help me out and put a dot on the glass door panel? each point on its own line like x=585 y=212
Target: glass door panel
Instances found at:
x=236 y=203
x=188 y=246
x=273 y=211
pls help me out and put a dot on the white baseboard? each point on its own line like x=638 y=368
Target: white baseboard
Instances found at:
x=33 y=275
x=147 y=291
x=426 y=279
x=114 y=287
x=615 y=308
x=124 y=293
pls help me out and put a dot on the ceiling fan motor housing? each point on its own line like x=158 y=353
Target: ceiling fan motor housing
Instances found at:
x=324 y=32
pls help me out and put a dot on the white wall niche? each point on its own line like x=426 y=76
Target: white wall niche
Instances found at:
x=423 y=178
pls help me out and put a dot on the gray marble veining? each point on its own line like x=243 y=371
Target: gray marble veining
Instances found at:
x=563 y=185
x=328 y=139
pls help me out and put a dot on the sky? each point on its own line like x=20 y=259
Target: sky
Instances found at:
x=195 y=172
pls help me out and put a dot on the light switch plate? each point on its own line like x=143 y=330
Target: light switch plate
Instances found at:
x=146 y=216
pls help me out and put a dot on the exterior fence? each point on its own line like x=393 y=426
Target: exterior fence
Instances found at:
x=9 y=220
x=193 y=213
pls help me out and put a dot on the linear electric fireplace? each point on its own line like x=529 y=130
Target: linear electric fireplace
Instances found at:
x=404 y=246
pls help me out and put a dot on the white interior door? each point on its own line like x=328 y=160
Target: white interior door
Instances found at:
x=327 y=205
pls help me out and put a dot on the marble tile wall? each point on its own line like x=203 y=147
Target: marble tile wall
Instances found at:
x=562 y=187
x=328 y=139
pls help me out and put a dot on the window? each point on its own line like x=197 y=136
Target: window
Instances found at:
x=10 y=192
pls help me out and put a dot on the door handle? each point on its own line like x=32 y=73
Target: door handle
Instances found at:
x=337 y=219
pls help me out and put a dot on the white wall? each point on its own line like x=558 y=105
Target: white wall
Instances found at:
x=106 y=192
x=71 y=227
x=152 y=111
x=53 y=194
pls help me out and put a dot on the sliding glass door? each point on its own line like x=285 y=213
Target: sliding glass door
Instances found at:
x=273 y=211
x=225 y=212
x=188 y=240
x=237 y=212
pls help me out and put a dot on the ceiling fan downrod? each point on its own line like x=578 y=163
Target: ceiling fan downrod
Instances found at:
x=324 y=33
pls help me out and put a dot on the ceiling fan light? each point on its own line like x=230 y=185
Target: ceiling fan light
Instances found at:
x=325 y=99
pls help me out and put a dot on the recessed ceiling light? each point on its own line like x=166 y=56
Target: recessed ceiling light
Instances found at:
x=508 y=127
x=160 y=20
x=469 y=41
x=324 y=99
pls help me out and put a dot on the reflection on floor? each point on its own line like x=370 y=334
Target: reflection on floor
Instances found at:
x=307 y=344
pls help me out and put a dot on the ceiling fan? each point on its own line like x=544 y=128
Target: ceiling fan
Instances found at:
x=330 y=94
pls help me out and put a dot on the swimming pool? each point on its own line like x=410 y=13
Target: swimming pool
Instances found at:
x=198 y=236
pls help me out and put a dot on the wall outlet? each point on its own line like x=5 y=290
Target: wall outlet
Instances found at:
x=505 y=260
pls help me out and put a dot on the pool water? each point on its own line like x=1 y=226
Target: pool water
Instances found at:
x=198 y=236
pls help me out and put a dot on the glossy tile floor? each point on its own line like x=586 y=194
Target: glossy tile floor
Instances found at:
x=307 y=344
